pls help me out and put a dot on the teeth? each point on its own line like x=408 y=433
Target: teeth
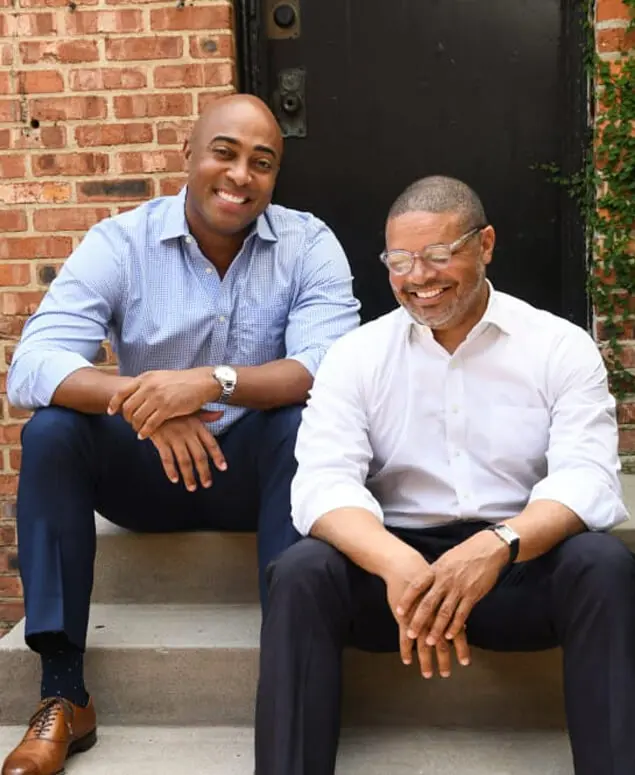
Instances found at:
x=236 y=200
x=429 y=294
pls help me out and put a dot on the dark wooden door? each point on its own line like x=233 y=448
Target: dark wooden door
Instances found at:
x=484 y=90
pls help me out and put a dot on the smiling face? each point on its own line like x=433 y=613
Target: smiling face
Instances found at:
x=452 y=297
x=233 y=159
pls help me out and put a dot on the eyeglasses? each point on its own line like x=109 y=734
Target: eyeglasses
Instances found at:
x=402 y=261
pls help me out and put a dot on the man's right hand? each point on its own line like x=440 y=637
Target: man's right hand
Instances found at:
x=418 y=574
x=185 y=445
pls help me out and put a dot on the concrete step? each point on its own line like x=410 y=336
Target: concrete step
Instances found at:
x=202 y=567
x=188 y=664
x=174 y=567
x=228 y=751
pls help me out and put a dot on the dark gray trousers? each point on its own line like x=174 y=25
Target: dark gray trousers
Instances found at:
x=580 y=596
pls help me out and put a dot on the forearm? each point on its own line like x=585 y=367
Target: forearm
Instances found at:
x=359 y=535
x=542 y=525
x=274 y=384
x=88 y=390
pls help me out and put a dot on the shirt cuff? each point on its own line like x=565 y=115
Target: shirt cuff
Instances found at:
x=52 y=370
x=599 y=506
x=310 y=359
x=308 y=505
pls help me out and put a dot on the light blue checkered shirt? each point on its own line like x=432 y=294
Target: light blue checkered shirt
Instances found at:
x=140 y=280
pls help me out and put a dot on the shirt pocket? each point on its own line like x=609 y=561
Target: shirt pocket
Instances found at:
x=517 y=436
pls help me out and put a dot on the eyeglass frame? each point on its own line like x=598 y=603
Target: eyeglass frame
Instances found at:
x=452 y=247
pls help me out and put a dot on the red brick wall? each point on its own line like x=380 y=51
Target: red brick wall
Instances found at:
x=96 y=97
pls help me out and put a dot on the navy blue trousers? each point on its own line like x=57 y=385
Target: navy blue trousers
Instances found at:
x=580 y=596
x=74 y=464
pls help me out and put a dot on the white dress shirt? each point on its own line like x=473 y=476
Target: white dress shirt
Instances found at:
x=520 y=412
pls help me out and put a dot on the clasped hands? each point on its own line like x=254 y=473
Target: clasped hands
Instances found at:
x=165 y=407
x=431 y=602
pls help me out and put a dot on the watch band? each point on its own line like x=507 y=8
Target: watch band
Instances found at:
x=226 y=377
x=509 y=537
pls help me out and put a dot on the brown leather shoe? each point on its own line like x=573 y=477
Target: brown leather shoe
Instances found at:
x=56 y=730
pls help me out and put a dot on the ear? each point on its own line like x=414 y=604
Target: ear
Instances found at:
x=488 y=240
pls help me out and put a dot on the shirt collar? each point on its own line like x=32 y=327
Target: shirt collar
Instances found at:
x=495 y=313
x=176 y=224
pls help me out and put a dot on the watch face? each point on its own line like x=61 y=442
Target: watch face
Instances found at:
x=506 y=533
x=225 y=374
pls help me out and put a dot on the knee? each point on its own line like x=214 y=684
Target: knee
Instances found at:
x=51 y=429
x=308 y=566
x=598 y=562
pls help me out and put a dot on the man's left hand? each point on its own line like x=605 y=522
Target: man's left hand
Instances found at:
x=156 y=396
x=462 y=576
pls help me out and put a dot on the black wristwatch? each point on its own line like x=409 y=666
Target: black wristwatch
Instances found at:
x=508 y=536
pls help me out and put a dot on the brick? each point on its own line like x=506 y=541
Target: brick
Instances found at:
x=6 y=83
x=628 y=330
x=207 y=46
x=12 y=167
x=68 y=218
x=15 y=274
x=107 y=190
x=150 y=161
x=172 y=186
x=15 y=458
x=52 y=3
x=11 y=326
x=34 y=247
x=28 y=24
x=626 y=413
x=40 y=81
x=6 y=54
x=67 y=108
x=95 y=22
x=627 y=441
x=44 y=137
x=17 y=414
x=10 y=586
x=50 y=164
x=11 y=612
x=107 y=78
x=196 y=75
x=5 y=139
x=10 y=434
x=614 y=39
x=122 y=49
x=62 y=51
x=191 y=18
x=151 y=105
x=34 y=193
x=174 y=132
x=611 y=9
x=627 y=356
x=9 y=111
x=113 y=134
x=46 y=273
x=204 y=99
x=8 y=533
x=12 y=220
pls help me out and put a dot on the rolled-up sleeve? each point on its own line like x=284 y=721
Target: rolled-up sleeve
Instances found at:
x=333 y=447
x=582 y=458
x=324 y=308
x=72 y=321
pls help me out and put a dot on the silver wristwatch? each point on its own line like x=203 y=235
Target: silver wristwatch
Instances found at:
x=509 y=536
x=227 y=378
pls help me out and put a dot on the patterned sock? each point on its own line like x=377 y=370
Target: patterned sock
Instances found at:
x=63 y=675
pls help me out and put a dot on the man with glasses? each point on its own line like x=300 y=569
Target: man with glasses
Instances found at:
x=457 y=473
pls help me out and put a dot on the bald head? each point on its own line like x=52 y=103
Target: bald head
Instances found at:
x=237 y=111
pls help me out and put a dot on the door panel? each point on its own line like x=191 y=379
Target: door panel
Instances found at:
x=401 y=89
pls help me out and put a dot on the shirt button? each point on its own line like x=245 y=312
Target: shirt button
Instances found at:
x=209 y=270
x=221 y=318
x=455 y=409
x=189 y=239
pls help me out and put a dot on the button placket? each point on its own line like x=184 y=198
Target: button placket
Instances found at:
x=456 y=431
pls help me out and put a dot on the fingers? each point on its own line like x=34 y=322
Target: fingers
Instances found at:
x=457 y=624
x=462 y=648
x=116 y=402
x=444 y=658
x=413 y=592
x=425 y=611
x=424 y=653
x=443 y=618
x=198 y=456
x=213 y=449
x=149 y=424
x=405 y=646
x=167 y=459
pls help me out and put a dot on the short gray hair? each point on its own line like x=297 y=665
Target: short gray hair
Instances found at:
x=440 y=194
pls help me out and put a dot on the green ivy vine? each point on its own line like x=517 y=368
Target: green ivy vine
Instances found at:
x=605 y=190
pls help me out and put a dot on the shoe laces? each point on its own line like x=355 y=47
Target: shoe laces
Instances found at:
x=44 y=717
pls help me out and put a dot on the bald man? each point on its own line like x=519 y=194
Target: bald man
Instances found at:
x=220 y=307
